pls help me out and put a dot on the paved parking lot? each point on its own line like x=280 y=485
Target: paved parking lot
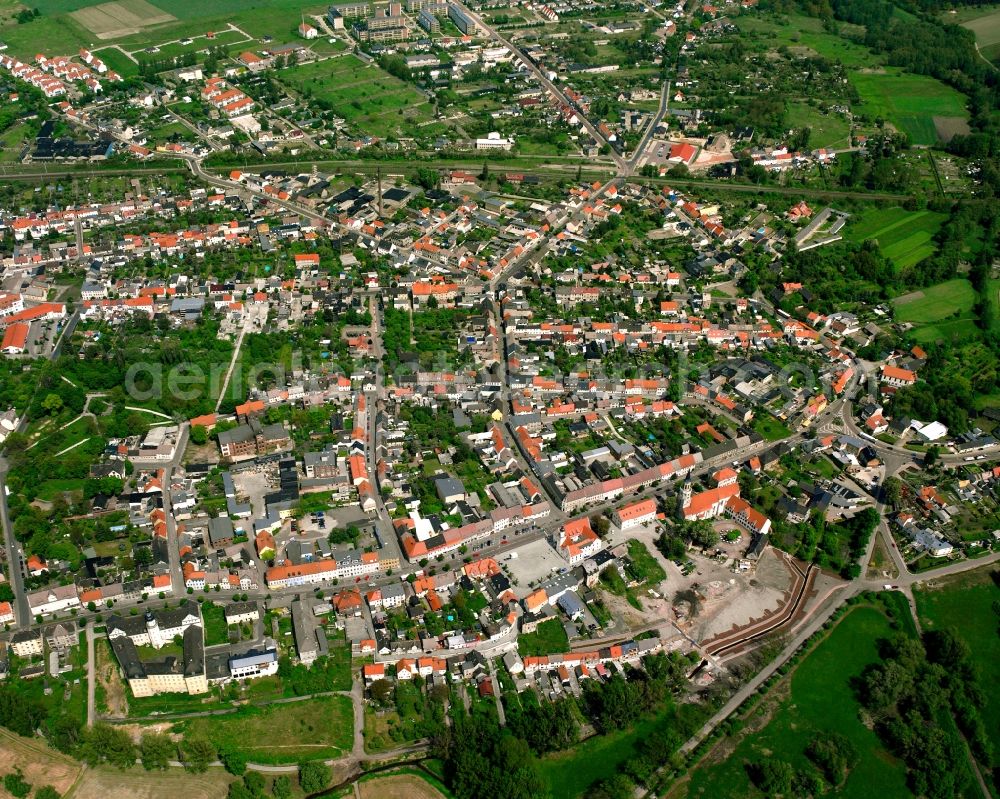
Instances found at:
x=535 y=562
x=255 y=484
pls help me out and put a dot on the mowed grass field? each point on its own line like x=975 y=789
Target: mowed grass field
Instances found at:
x=939 y=312
x=121 y=18
x=964 y=603
x=136 y=783
x=319 y=728
x=904 y=237
x=398 y=786
x=909 y=102
x=360 y=93
x=820 y=701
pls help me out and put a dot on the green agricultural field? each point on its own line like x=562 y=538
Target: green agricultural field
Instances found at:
x=313 y=729
x=820 y=700
x=941 y=311
x=362 y=94
x=904 y=237
x=965 y=603
x=910 y=102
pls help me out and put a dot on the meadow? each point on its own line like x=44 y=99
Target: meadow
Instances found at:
x=570 y=774
x=941 y=311
x=904 y=237
x=105 y=782
x=965 y=604
x=827 y=130
x=362 y=94
x=806 y=34
x=319 y=728
x=910 y=102
x=818 y=700
x=548 y=637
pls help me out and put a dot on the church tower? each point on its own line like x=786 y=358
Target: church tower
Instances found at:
x=686 y=494
x=153 y=630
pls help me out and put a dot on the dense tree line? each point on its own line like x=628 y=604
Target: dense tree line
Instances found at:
x=912 y=695
x=546 y=727
x=483 y=761
x=149 y=68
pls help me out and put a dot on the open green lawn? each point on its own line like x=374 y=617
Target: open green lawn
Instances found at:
x=227 y=38
x=312 y=729
x=904 y=237
x=12 y=143
x=569 y=774
x=827 y=130
x=770 y=428
x=548 y=637
x=941 y=311
x=216 y=629
x=964 y=603
x=820 y=700
x=910 y=102
x=362 y=94
x=51 y=489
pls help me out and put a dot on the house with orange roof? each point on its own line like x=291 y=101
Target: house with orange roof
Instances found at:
x=635 y=514
x=208 y=421
x=535 y=601
x=36 y=565
x=15 y=339
x=898 y=378
x=576 y=541
x=249 y=409
x=310 y=573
